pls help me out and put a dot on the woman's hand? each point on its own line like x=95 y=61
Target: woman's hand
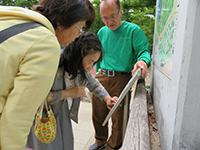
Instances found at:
x=77 y=91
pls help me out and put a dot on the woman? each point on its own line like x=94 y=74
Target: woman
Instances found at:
x=72 y=76
x=29 y=61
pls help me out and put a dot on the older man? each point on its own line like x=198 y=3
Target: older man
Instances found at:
x=125 y=48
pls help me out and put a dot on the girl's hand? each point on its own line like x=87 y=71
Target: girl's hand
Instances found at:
x=77 y=91
x=110 y=101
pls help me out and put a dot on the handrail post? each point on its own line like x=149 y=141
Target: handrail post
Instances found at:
x=126 y=113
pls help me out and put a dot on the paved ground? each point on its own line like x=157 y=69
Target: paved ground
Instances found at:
x=84 y=131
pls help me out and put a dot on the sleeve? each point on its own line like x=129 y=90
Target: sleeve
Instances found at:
x=140 y=45
x=55 y=94
x=95 y=86
x=54 y=97
x=32 y=84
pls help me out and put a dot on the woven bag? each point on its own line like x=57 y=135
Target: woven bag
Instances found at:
x=45 y=126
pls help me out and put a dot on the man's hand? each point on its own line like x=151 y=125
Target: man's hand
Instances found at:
x=143 y=66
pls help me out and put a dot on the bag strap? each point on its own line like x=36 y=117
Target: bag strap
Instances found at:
x=16 y=29
x=44 y=106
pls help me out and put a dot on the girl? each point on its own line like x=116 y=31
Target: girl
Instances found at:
x=72 y=77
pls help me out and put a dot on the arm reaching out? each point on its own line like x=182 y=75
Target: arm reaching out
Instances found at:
x=77 y=91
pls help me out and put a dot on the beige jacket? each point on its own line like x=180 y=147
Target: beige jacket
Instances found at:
x=28 y=63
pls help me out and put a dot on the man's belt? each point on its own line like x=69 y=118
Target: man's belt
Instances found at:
x=112 y=73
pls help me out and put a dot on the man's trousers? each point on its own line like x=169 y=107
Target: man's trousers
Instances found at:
x=114 y=86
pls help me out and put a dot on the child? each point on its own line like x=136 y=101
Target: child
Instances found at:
x=72 y=77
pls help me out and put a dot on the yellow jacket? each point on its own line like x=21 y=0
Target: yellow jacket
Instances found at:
x=28 y=63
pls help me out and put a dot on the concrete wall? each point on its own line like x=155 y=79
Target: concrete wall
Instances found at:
x=176 y=99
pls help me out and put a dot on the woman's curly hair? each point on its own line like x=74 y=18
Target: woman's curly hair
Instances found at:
x=67 y=12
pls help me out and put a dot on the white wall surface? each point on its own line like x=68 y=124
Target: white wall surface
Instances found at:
x=177 y=99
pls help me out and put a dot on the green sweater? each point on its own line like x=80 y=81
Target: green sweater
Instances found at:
x=123 y=47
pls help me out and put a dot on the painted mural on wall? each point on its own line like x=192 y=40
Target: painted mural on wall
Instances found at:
x=165 y=35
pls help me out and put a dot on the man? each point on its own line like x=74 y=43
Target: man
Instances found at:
x=125 y=47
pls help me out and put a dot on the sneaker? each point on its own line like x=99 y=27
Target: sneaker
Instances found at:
x=96 y=147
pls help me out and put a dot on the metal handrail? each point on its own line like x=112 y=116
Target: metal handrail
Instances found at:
x=123 y=94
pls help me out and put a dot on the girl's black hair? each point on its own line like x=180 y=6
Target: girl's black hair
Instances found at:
x=73 y=54
x=67 y=12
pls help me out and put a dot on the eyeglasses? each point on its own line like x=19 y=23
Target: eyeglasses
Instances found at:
x=112 y=17
x=80 y=30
